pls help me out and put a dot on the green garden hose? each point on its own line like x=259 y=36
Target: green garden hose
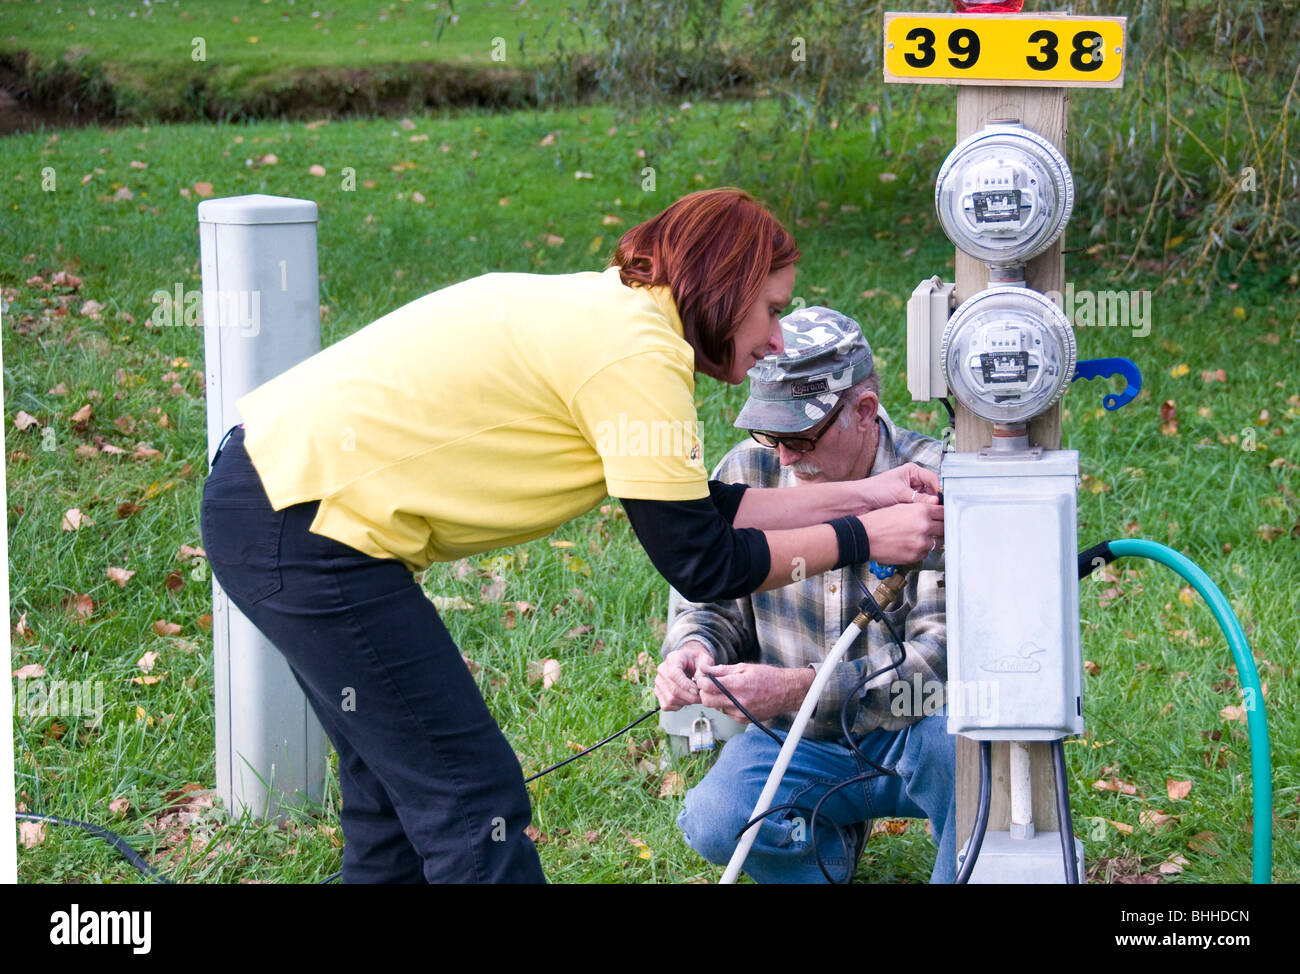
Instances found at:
x=1261 y=767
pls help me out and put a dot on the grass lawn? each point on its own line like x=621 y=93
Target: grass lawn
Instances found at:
x=550 y=192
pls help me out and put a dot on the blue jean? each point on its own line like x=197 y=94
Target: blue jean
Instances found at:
x=431 y=789
x=924 y=755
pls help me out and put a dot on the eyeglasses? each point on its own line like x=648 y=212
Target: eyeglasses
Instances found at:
x=799 y=444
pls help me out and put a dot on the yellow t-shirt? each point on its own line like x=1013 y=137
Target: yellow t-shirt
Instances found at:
x=484 y=415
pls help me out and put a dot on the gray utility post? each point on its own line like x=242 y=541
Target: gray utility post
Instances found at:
x=261 y=314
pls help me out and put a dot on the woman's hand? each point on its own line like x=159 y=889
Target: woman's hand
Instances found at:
x=900 y=486
x=904 y=533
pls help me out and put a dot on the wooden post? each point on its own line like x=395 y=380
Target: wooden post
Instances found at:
x=1042 y=109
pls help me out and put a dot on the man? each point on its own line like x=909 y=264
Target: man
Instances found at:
x=815 y=416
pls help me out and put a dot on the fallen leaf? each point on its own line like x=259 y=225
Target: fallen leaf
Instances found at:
x=550 y=673
x=446 y=603
x=1091 y=668
x=174 y=582
x=1155 y=820
x=548 y=139
x=31 y=671
x=147 y=661
x=537 y=835
x=1218 y=375
x=1168 y=418
x=1114 y=784
x=671 y=785
x=204 y=622
x=164 y=628
x=1173 y=866
x=64 y=279
x=1177 y=789
x=1232 y=712
x=316 y=170
x=554 y=240
x=82 y=607
x=1179 y=370
x=24 y=420
x=1203 y=842
x=203 y=190
x=31 y=834
x=119 y=575
x=119 y=806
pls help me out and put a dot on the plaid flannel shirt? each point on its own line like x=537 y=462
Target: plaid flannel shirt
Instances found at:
x=798 y=624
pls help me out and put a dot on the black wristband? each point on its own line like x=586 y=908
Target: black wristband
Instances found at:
x=851 y=536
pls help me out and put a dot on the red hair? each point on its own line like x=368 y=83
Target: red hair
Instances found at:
x=714 y=249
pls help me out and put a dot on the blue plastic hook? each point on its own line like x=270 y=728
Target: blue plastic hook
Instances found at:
x=1104 y=368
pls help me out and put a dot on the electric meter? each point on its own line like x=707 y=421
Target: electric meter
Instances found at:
x=1008 y=354
x=1004 y=194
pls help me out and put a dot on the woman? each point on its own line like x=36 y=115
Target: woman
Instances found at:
x=484 y=415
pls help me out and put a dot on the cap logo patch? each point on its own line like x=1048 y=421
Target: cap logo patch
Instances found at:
x=810 y=387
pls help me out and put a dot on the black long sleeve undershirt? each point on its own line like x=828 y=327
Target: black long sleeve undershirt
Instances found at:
x=694 y=546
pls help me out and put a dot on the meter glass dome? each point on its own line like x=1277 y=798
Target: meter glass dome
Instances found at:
x=1008 y=354
x=1004 y=194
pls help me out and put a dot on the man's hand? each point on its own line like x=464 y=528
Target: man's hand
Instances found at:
x=765 y=691
x=675 y=682
x=904 y=533
x=901 y=485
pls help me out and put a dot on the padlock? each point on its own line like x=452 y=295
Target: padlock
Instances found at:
x=701 y=736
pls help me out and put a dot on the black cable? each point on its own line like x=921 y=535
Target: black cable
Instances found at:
x=877 y=613
x=1065 y=823
x=132 y=857
x=981 y=813
x=739 y=706
x=118 y=843
x=593 y=747
x=112 y=838
x=866 y=775
x=812 y=829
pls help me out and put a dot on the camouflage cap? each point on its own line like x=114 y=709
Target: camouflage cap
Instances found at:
x=825 y=354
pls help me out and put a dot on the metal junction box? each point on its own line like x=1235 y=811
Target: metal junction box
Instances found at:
x=1015 y=670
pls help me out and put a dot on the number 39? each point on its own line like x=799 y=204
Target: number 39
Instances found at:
x=963 y=43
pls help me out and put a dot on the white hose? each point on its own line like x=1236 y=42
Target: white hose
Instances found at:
x=787 y=749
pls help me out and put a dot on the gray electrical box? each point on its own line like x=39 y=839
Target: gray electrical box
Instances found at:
x=928 y=310
x=1015 y=670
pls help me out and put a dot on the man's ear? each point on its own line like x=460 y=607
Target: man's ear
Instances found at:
x=867 y=406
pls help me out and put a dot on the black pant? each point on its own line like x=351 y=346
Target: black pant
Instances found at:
x=431 y=789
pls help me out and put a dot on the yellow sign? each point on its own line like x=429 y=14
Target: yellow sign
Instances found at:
x=1060 y=51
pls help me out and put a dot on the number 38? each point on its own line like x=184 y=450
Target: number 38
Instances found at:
x=1085 y=54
